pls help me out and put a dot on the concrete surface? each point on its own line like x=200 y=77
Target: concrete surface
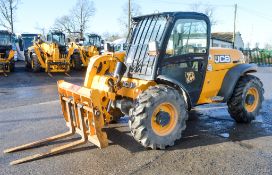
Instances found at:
x=212 y=143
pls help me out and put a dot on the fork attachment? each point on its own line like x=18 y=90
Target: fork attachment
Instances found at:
x=82 y=112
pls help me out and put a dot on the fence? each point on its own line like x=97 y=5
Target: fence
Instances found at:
x=260 y=57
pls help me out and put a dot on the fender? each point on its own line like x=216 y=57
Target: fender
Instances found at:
x=174 y=83
x=232 y=78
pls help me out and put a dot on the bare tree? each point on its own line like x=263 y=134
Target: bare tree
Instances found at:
x=268 y=46
x=81 y=14
x=123 y=20
x=257 y=45
x=206 y=9
x=111 y=36
x=65 y=23
x=77 y=22
x=7 y=13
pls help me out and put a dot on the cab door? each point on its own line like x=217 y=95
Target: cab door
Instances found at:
x=186 y=54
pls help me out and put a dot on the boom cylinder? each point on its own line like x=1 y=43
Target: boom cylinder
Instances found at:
x=119 y=70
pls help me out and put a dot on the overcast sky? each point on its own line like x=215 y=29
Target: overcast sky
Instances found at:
x=254 y=17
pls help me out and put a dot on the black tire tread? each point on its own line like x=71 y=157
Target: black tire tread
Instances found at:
x=78 y=62
x=235 y=103
x=138 y=115
x=36 y=64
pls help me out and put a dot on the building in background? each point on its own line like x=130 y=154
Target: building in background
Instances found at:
x=225 y=39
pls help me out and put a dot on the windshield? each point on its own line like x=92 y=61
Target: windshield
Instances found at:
x=120 y=47
x=5 y=39
x=27 y=42
x=94 y=41
x=187 y=36
x=146 y=30
x=57 y=38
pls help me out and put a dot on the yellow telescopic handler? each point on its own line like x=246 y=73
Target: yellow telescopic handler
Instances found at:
x=168 y=70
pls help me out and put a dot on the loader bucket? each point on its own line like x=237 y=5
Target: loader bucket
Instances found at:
x=83 y=115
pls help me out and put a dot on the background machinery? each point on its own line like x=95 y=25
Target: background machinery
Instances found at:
x=51 y=55
x=7 y=63
x=86 y=48
x=25 y=40
x=169 y=69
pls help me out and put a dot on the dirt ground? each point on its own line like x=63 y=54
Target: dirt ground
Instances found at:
x=212 y=143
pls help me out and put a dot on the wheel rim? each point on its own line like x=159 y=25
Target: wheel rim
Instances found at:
x=252 y=99
x=164 y=119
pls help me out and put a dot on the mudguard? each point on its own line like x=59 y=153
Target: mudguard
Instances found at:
x=232 y=78
x=173 y=82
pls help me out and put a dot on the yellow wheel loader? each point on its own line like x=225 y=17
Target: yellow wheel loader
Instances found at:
x=168 y=70
x=51 y=55
x=90 y=46
x=7 y=63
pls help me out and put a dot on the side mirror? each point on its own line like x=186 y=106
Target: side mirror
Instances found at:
x=68 y=40
x=153 y=48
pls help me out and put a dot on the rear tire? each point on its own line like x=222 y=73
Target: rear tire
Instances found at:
x=77 y=62
x=35 y=64
x=12 y=66
x=246 y=100
x=159 y=117
x=27 y=63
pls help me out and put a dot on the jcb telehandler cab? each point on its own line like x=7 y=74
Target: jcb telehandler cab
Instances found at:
x=51 y=55
x=169 y=69
x=7 y=63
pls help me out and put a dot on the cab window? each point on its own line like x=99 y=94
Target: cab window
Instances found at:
x=187 y=36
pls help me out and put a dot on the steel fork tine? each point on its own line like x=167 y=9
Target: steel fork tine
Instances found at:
x=38 y=143
x=50 y=152
x=65 y=147
x=49 y=139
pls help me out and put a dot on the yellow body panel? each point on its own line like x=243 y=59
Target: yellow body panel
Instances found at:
x=86 y=52
x=216 y=72
x=119 y=55
x=7 y=60
x=49 y=53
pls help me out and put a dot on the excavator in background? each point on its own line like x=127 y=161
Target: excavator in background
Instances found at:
x=7 y=63
x=168 y=70
x=51 y=55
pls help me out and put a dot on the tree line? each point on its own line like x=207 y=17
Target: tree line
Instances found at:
x=76 y=22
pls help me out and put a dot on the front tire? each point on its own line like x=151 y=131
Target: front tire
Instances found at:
x=159 y=117
x=27 y=63
x=12 y=66
x=35 y=64
x=246 y=100
x=77 y=63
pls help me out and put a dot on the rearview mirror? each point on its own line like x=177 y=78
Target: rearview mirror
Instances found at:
x=153 y=48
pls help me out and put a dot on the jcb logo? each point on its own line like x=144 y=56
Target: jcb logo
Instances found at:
x=190 y=77
x=222 y=59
